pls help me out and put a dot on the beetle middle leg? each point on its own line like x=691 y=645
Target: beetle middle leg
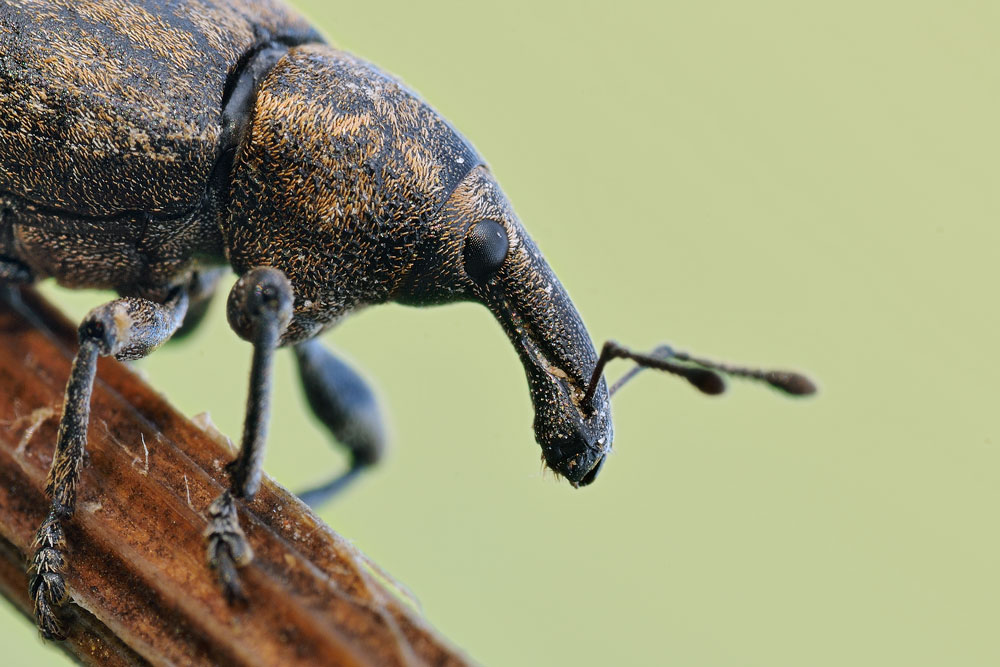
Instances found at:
x=347 y=406
x=13 y=272
x=128 y=328
x=259 y=309
x=201 y=289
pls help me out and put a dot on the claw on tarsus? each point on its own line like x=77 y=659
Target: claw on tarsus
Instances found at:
x=228 y=549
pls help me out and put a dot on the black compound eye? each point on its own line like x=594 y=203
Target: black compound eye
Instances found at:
x=485 y=249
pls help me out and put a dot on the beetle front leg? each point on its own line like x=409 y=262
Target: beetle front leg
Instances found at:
x=259 y=309
x=347 y=407
x=127 y=328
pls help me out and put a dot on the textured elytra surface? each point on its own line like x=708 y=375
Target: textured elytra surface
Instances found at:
x=110 y=132
x=113 y=106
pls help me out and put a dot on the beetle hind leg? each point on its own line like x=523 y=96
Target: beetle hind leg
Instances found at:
x=347 y=407
x=127 y=328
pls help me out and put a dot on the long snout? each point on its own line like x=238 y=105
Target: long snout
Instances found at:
x=558 y=357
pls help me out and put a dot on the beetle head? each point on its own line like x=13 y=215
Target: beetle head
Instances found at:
x=360 y=193
x=477 y=249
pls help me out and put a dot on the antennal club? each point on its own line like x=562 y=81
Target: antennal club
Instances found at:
x=703 y=374
x=789 y=382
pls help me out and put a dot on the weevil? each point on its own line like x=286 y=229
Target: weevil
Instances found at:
x=149 y=147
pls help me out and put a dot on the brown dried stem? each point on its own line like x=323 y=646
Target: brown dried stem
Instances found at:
x=137 y=577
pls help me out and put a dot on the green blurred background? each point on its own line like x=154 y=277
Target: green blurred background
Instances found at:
x=810 y=185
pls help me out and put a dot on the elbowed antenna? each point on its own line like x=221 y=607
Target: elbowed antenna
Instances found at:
x=705 y=375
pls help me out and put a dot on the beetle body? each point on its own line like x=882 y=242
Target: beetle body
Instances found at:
x=145 y=144
x=145 y=141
